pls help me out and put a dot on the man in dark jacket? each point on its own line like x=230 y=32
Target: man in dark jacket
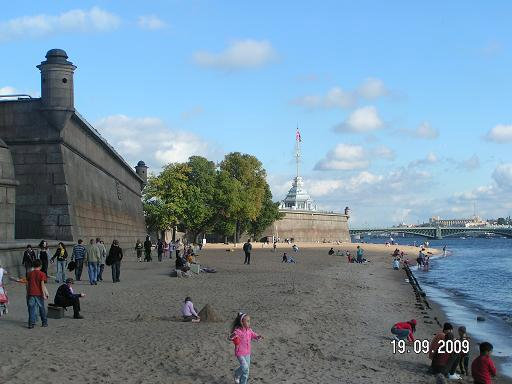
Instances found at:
x=115 y=255
x=247 y=251
x=66 y=297
x=147 y=249
x=160 y=249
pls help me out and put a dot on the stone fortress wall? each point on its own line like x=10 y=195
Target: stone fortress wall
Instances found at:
x=310 y=226
x=72 y=183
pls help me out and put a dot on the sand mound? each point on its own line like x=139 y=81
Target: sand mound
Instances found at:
x=208 y=314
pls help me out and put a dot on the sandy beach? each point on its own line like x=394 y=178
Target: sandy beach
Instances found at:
x=324 y=321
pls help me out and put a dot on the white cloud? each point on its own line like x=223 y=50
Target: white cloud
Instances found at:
x=426 y=131
x=337 y=97
x=384 y=152
x=334 y=98
x=77 y=20
x=469 y=164
x=240 y=54
x=362 y=120
x=430 y=158
x=500 y=134
x=344 y=157
x=151 y=22
x=502 y=175
x=8 y=90
x=372 y=88
x=192 y=112
x=151 y=140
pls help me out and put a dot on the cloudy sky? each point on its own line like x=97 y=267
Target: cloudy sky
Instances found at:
x=404 y=110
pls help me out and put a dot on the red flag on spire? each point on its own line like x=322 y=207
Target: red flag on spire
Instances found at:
x=297 y=136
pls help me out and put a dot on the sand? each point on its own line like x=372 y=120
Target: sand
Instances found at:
x=323 y=321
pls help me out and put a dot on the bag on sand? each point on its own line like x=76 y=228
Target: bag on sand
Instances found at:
x=71 y=266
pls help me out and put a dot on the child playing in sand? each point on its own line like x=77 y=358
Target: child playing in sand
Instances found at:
x=242 y=336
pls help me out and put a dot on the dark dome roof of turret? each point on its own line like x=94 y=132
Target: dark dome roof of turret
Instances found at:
x=56 y=56
x=141 y=164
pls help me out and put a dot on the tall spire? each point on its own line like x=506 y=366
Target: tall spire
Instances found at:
x=298 y=140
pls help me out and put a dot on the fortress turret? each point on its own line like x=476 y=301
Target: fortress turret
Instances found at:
x=57 y=93
x=142 y=170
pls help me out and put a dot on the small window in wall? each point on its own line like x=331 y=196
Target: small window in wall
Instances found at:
x=64 y=80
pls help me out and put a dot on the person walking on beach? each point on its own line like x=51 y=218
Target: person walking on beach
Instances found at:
x=103 y=256
x=242 y=335
x=92 y=258
x=359 y=254
x=115 y=256
x=147 y=249
x=404 y=330
x=178 y=247
x=483 y=368
x=274 y=246
x=66 y=297
x=138 y=249
x=43 y=256
x=78 y=256
x=29 y=256
x=160 y=249
x=62 y=256
x=247 y=250
x=36 y=295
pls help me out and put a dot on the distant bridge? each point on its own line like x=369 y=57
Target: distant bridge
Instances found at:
x=436 y=232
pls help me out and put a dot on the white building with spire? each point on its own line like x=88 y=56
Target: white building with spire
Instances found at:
x=297 y=197
x=302 y=221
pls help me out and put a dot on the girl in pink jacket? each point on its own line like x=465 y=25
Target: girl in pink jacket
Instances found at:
x=242 y=336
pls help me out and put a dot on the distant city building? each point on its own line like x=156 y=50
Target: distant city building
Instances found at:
x=475 y=221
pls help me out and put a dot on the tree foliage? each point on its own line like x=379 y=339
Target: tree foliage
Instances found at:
x=229 y=200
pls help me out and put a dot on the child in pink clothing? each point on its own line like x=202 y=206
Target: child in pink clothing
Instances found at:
x=242 y=336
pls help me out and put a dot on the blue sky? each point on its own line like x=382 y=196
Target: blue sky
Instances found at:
x=404 y=109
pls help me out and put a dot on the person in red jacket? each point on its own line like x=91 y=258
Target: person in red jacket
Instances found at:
x=482 y=368
x=404 y=330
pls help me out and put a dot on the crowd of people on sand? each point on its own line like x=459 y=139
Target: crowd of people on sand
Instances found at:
x=446 y=358
x=358 y=259
x=37 y=261
x=94 y=256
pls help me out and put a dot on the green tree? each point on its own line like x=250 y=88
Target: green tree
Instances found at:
x=249 y=172
x=227 y=204
x=268 y=214
x=165 y=197
x=199 y=212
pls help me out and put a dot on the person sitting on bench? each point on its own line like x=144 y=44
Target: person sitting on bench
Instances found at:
x=65 y=297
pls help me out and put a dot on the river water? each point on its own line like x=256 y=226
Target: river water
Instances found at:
x=475 y=279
